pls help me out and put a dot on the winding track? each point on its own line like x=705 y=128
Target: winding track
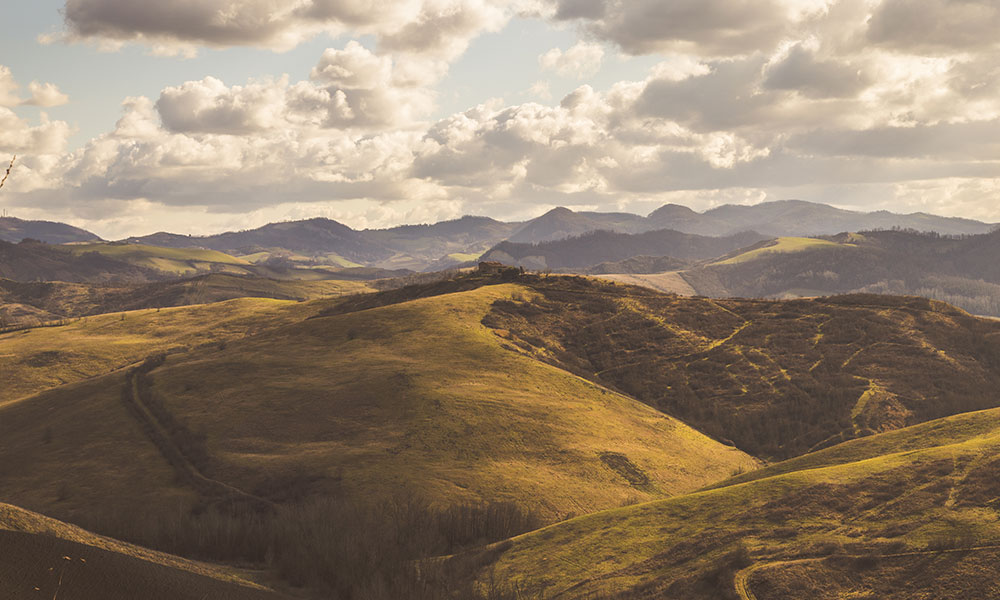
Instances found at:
x=741 y=581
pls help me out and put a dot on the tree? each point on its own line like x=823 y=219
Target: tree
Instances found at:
x=7 y=174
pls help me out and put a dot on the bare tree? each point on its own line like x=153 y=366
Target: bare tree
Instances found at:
x=9 y=167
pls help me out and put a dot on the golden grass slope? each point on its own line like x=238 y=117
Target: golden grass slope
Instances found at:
x=420 y=396
x=779 y=245
x=416 y=398
x=44 y=558
x=939 y=492
x=33 y=360
x=177 y=261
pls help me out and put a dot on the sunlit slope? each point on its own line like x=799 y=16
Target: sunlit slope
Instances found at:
x=782 y=245
x=45 y=558
x=176 y=261
x=421 y=397
x=37 y=359
x=902 y=505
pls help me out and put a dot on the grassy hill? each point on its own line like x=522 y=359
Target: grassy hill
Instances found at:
x=776 y=378
x=33 y=303
x=358 y=405
x=920 y=522
x=42 y=558
x=959 y=270
x=34 y=360
x=175 y=261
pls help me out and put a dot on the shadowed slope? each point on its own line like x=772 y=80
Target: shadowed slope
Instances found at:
x=44 y=558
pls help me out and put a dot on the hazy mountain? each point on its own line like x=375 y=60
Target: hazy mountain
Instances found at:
x=449 y=243
x=14 y=230
x=597 y=247
x=796 y=217
x=317 y=235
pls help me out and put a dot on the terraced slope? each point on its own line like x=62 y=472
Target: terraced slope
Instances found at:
x=44 y=558
x=885 y=526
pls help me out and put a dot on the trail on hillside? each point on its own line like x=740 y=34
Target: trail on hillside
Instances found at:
x=159 y=434
x=741 y=580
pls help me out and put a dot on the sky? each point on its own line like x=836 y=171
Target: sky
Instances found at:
x=198 y=116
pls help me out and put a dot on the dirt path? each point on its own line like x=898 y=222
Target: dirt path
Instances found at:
x=741 y=580
x=159 y=434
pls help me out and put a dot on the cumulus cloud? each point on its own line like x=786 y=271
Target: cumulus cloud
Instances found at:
x=580 y=60
x=438 y=29
x=850 y=101
x=803 y=71
x=705 y=27
x=936 y=26
x=41 y=94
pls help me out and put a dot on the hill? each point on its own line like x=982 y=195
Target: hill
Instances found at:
x=776 y=378
x=560 y=223
x=260 y=405
x=799 y=218
x=14 y=230
x=866 y=520
x=586 y=251
x=448 y=243
x=28 y=304
x=36 y=261
x=955 y=269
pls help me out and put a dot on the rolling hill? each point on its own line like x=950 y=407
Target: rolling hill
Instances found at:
x=906 y=514
x=959 y=270
x=775 y=378
x=370 y=431
x=586 y=251
x=14 y=230
x=799 y=218
x=286 y=404
x=448 y=243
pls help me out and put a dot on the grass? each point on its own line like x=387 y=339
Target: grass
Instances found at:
x=177 y=261
x=780 y=245
x=37 y=359
x=904 y=490
x=61 y=560
x=359 y=405
x=465 y=420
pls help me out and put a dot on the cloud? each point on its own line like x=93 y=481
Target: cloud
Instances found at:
x=349 y=88
x=704 y=27
x=580 y=60
x=803 y=71
x=433 y=29
x=936 y=26
x=42 y=94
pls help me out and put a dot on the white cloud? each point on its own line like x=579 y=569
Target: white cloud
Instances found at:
x=580 y=60
x=851 y=101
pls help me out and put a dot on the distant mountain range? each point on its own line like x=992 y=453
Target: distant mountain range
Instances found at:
x=449 y=243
